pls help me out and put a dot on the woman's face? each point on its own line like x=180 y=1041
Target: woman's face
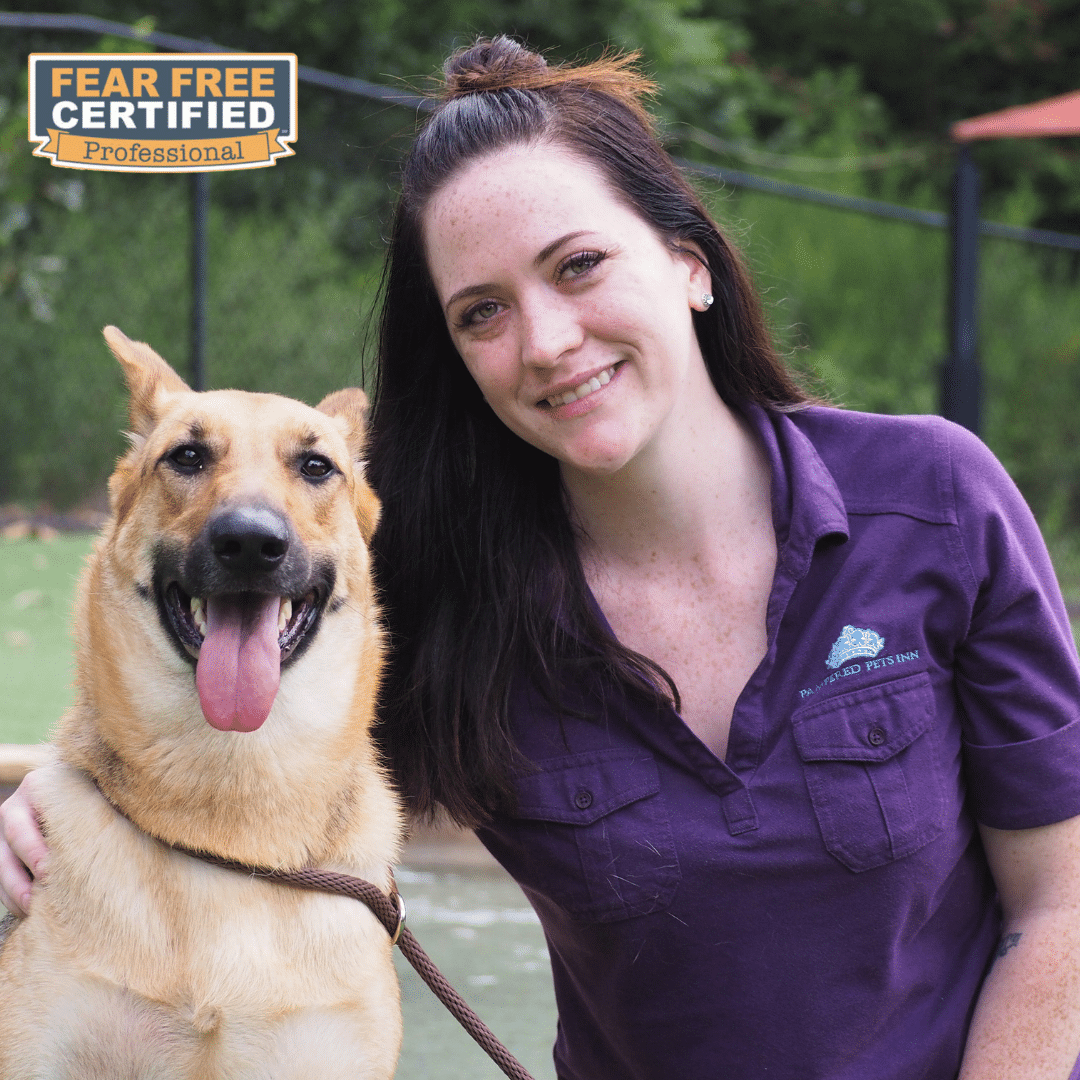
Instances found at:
x=570 y=312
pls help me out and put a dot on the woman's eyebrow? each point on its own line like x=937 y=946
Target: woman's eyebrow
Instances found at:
x=544 y=254
x=470 y=290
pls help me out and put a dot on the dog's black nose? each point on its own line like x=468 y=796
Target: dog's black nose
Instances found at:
x=250 y=540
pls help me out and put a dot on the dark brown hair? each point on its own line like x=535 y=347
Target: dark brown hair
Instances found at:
x=475 y=554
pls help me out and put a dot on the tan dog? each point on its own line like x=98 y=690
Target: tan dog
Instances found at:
x=236 y=556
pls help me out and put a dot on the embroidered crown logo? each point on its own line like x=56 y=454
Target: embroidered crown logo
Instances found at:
x=854 y=641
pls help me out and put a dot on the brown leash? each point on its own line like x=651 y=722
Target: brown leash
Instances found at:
x=391 y=913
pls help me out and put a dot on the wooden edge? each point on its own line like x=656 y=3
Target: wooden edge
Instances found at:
x=442 y=845
x=17 y=759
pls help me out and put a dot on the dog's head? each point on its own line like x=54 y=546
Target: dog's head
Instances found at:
x=240 y=525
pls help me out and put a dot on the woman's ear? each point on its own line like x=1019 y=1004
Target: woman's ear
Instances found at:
x=699 y=284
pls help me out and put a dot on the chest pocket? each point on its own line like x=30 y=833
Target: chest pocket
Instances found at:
x=870 y=762
x=596 y=838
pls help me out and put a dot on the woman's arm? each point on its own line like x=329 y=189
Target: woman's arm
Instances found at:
x=1027 y=1020
x=21 y=846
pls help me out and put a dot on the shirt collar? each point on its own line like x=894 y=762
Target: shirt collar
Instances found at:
x=806 y=503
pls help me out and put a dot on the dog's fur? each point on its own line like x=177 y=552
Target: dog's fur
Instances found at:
x=138 y=961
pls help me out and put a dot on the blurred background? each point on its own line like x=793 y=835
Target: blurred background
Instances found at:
x=847 y=96
x=851 y=96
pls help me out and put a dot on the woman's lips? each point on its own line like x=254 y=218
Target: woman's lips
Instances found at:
x=563 y=403
x=589 y=386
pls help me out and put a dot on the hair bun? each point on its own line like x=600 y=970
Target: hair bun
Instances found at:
x=501 y=63
x=494 y=64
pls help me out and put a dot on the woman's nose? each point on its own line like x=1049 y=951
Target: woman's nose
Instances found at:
x=550 y=328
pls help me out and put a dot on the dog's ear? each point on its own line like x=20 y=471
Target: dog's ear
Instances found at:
x=149 y=379
x=348 y=408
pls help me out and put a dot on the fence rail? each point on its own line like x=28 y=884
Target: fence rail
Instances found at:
x=347 y=84
x=91 y=24
x=931 y=218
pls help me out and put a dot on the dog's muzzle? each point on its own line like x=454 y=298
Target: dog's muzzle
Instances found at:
x=243 y=600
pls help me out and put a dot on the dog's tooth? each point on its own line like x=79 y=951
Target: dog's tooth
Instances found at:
x=284 y=614
x=198 y=614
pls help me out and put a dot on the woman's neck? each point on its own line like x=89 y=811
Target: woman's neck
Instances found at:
x=691 y=496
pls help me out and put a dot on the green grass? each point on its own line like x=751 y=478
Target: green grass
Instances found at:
x=37 y=590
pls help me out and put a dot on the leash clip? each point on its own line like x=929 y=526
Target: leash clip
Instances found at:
x=399 y=902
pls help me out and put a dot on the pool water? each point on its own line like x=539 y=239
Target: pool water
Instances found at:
x=481 y=933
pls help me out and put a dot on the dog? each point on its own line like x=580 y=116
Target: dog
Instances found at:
x=228 y=655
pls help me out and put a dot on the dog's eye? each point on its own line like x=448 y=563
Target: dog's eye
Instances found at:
x=316 y=466
x=187 y=459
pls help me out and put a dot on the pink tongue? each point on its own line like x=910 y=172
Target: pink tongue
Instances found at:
x=240 y=662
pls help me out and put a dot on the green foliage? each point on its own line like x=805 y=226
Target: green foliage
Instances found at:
x=29 y=199
x=854 y=95
x=295 y=330
x=929 y=63
x=1031 y=351
x=859 y=304
x=62 y=408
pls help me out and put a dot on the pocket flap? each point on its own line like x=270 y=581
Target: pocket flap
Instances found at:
x=581 y=788
x=872 y=724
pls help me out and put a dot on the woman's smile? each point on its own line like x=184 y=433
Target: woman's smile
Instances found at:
x=560 y=400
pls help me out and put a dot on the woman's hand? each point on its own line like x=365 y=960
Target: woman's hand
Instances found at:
x=1027 y=1021
x=21 y=846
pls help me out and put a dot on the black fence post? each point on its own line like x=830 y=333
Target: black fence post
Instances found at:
x=200 y=214
x=961 y=376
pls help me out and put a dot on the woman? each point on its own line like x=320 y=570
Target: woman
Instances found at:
x=770 y=708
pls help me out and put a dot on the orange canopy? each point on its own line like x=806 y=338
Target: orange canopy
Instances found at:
x=1054 y=116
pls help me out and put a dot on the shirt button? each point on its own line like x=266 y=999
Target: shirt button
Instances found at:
x=875 y=736
x=583 y=799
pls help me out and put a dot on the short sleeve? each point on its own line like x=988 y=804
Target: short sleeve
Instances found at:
x=1017 y=673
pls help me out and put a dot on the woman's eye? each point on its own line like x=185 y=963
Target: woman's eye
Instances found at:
x=188 y=459
x=581 y=263
x=480 y=313
x=316 y=466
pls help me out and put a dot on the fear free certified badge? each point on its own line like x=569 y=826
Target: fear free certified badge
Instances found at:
x=179 y=112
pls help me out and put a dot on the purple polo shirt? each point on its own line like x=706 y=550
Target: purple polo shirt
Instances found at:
x=818 y=905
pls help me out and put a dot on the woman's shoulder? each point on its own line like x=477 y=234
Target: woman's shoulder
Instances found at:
x=885 y=436
x=916 y=464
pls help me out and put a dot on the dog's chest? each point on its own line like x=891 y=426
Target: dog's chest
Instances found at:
x=151 y=963
x=174 y=927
